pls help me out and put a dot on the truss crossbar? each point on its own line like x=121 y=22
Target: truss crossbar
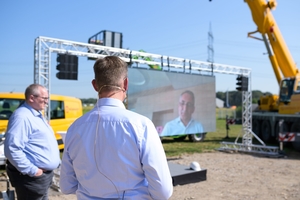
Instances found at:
x=258 y=149
x=44 y=44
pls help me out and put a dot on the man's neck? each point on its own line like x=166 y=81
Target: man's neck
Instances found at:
x=114 y=94
x=185 y=122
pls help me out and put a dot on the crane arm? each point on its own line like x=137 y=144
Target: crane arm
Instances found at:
x=279 y=55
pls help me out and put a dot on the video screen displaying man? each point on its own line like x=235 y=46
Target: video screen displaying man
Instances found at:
x=183 y=124
x=177 y=103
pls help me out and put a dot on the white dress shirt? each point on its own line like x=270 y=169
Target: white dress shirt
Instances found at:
x=111 y=152
x=176 y=127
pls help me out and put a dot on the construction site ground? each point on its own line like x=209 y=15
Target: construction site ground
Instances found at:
x=233 y=176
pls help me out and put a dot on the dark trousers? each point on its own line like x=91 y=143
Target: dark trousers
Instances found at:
x=29 y=188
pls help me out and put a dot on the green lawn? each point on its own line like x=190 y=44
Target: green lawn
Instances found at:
x=211 y=142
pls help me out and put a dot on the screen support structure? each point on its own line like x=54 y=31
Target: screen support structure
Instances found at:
x=44 y=46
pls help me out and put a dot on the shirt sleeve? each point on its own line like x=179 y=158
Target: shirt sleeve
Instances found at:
x=166 y=130
x=16 y=137
x=68 y=182
x=155 y=165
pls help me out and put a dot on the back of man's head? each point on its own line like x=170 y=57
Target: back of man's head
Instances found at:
x=111 y=71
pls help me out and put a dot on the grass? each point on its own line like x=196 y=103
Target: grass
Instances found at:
x=86 y=109
x=211 y=142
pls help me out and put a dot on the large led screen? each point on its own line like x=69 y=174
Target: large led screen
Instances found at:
x=177 y=103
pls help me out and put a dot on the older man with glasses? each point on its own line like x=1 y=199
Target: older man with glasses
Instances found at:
x=30 y=147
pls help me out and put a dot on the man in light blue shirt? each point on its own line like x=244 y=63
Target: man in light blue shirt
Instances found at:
x=30 y=147
x=184 y=124
x=111 y=152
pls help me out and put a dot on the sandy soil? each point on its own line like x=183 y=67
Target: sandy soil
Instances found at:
x=234 y=176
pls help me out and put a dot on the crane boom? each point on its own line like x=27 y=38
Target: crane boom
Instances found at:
x=278 y=115
x=279 y=54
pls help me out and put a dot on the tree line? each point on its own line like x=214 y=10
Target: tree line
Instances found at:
x=89 y=101
x=235 y=97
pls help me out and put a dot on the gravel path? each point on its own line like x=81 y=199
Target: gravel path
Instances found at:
x=234 y=176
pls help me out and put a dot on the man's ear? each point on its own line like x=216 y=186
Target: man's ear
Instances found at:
x=31 y=98
x=95 y=85
x=125 y=84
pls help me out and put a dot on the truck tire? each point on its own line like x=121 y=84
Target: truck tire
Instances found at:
x=295 y=128
x=266 y=131
x=180 y=138
x=161 y=138
x=256 y=127
x=199 y=137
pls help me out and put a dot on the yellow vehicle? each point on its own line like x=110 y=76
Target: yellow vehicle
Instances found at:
x=285 y=107
x=64 y=111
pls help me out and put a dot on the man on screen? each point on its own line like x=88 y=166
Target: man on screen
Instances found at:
x=184 y=124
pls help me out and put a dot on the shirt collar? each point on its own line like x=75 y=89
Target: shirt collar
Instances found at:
x=34 y=112
x=179 y=121
x=111 y=102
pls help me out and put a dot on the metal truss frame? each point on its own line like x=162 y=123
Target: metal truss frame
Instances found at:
x=270 y=151
x=44 y=46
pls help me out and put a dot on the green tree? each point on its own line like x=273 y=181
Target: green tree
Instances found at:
x=235 y=97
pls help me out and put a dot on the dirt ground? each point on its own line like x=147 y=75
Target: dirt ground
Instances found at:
x=234 y=176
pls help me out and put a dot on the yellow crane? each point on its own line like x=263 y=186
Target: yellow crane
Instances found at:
x=286 y=105
x=285 y=69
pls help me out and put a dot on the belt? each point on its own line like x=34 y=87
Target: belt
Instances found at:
x=13 y=168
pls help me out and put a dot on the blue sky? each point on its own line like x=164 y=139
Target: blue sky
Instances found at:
x=172 y=28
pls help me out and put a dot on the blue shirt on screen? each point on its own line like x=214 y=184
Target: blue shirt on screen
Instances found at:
x=30 y=142
x=111 y=152
x=176 y=127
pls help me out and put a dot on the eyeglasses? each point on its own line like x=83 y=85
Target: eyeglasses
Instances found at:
x=188 y=104
x=45 y=98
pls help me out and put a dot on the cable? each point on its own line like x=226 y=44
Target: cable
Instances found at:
x=123 y=90
x=111 y=86
x=95 y=143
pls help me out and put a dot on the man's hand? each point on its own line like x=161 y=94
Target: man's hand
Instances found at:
x=39 y=172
